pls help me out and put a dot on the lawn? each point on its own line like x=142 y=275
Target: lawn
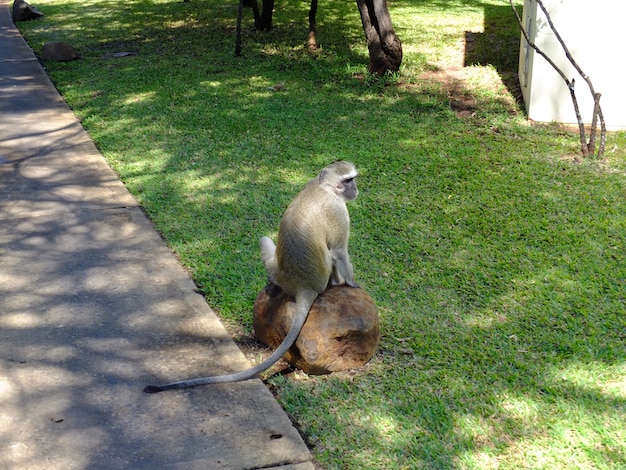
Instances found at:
x=496 y=256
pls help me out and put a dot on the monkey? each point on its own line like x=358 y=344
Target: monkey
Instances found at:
x=310 y=254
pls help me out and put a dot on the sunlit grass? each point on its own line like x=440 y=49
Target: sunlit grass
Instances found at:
x=497 y=261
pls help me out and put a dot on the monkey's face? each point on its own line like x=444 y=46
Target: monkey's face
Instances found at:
x=349 y=189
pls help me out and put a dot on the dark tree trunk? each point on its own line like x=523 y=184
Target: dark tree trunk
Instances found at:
x=312 y=40
x=265 y=23
x=384 y=47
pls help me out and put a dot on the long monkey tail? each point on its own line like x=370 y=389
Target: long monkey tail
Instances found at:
x=304 y=301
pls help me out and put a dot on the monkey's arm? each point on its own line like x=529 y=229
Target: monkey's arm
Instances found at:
x=342 y=268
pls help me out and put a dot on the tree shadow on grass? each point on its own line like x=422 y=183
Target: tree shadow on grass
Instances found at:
x=498 y=45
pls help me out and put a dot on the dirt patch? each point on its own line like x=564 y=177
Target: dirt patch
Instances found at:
x=450 y=73
x=463 y=107
x=453 y=73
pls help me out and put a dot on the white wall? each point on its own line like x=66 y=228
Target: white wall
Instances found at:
x=595 y=34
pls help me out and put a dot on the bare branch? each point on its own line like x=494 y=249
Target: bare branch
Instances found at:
x=594 y=124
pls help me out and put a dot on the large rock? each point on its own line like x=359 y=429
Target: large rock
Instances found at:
x=23 y=11
x=341 y=331
x=59 y=52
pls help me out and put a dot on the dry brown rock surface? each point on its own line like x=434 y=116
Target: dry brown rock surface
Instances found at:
x=341 y=332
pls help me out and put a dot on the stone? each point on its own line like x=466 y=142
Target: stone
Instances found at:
x=23 y=11
x=341 y=332
x=59 y=52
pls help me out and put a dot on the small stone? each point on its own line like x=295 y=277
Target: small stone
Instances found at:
x=23 y=11
x=341 y=332
x=59 y=52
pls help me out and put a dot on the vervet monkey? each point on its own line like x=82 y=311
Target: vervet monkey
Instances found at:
x=311 y=253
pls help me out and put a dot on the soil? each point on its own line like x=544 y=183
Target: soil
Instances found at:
x=452 y=72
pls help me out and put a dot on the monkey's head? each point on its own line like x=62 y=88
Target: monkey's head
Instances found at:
x=339 y=178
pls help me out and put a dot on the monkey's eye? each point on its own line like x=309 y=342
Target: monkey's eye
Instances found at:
x=349 y=180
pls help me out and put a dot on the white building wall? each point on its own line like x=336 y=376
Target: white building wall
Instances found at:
x=595 y=34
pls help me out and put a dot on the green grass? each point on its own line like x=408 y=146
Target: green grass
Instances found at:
x=497 y=261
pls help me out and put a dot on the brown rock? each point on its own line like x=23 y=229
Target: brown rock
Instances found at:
x=59 y=52
x=341 y=331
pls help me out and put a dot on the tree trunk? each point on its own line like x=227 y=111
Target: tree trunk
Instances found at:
x=312 y=40
x=265 y=22
x=385 y=49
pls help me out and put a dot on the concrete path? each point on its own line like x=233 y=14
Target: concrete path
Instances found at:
x=93 y=306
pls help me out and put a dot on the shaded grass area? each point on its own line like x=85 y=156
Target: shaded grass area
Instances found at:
x=498 y=263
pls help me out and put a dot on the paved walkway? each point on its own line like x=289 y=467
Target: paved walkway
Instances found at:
x=93 y=306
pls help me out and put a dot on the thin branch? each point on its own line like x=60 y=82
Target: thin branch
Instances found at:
x=602 y=132
x=594 y=123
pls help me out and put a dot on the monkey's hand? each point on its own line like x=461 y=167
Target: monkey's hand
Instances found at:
x=333 y=281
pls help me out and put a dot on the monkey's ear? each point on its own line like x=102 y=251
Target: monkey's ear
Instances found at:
x=323 y=175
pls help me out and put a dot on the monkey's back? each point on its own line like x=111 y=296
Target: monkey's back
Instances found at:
x=306 y=230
